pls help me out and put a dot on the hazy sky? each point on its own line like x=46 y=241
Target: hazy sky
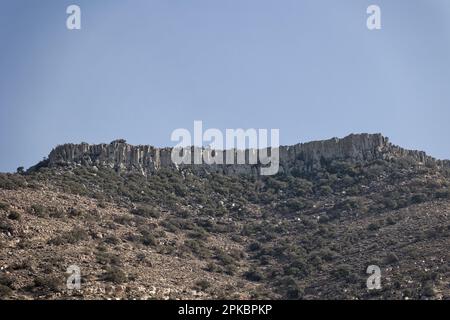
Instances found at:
x=140 y=69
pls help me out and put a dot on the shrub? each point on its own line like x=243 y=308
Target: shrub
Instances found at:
x=5 y=291
x=342 y=272
x=47 y=283
x=170 y=226
x=443 y=194
x=294 y=292
x=6 y=280
x=327 y=254
x=73 y=212
x=212 y=267
x=148 y=239
x=56 y=213
x=352 y=204
x=4 y=206
x=298 y=268
x=38 y=210
x=391 y=258
x=253 y=275
x=6 y=227
x=14 y=215
x=290 y=288
x=22 y=265
x=390 y=203
x=326 y=190
x=115 y=275
x=102 y=205
x=199 y=233
x=202 y=284
x=141 y=257
x=428 y=289
x=72 y=237
x=123 y=220
x=146 y=212
x=419 y=198
x=224 y=258
x=432 y=233
x=104 y=257
x=197 y=248
x=11 y=181
x=390 y=221
x=254 y=246
x=374 y=226
x=112 y=240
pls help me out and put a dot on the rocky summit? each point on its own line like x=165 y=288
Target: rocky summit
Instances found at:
x=303 y=157
x=129 y=224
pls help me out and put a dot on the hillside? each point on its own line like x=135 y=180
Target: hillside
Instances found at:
x=139 y=227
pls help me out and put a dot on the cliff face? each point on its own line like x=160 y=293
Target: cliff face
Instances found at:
x=118 y=154
x=303 y=157
x=353 y=148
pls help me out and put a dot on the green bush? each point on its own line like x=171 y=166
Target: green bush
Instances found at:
x=148 y=239
x=115 y=275
x=4 y=206
x=212 y=267
x=202 y=284
x=102 y=204
x=443 y=194
x=38 y=210
x=294 y=292
x=297 y=268
x=374 y=226
x=327 y=254
x=342 y=272
x=11 y=181
x=428 y=289
x=6 y=280
x=253 y=275
x=5 y=291
x=390 y=221
x=112 y=240
x=146 y=212
x=48 y=284
x=391 y=258
x=197 y=248
x=103 y=257
x=124 y=220
x=74 y=212
x=419 y=198
x=254 y=246
x=72 y=237
x=199 y=234
x=14 y=215
x=6 y=227
x=325 y=190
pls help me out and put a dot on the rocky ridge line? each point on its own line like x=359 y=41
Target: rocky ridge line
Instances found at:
x=147 y=159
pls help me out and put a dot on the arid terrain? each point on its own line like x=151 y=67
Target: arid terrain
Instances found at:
x=309 y=232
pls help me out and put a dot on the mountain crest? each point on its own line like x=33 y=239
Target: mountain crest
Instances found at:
x=147 y=159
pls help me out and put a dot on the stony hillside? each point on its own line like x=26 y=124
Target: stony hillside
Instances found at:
x=138 y=227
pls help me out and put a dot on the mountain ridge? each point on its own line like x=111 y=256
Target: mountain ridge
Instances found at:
x=337 y=207
x=305 y=157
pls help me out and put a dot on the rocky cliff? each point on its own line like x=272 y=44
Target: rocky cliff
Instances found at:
x=304 y=156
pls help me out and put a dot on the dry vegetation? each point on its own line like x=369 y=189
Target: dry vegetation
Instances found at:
x=177 y=235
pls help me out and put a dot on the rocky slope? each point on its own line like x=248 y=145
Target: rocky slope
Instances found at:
x=139 y=228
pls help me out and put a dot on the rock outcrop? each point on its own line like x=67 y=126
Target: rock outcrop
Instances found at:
x=303 y=157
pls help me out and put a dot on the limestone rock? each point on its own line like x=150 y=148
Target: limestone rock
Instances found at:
x=147 y=159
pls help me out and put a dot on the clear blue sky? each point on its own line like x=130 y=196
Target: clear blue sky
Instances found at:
x=140 y=69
